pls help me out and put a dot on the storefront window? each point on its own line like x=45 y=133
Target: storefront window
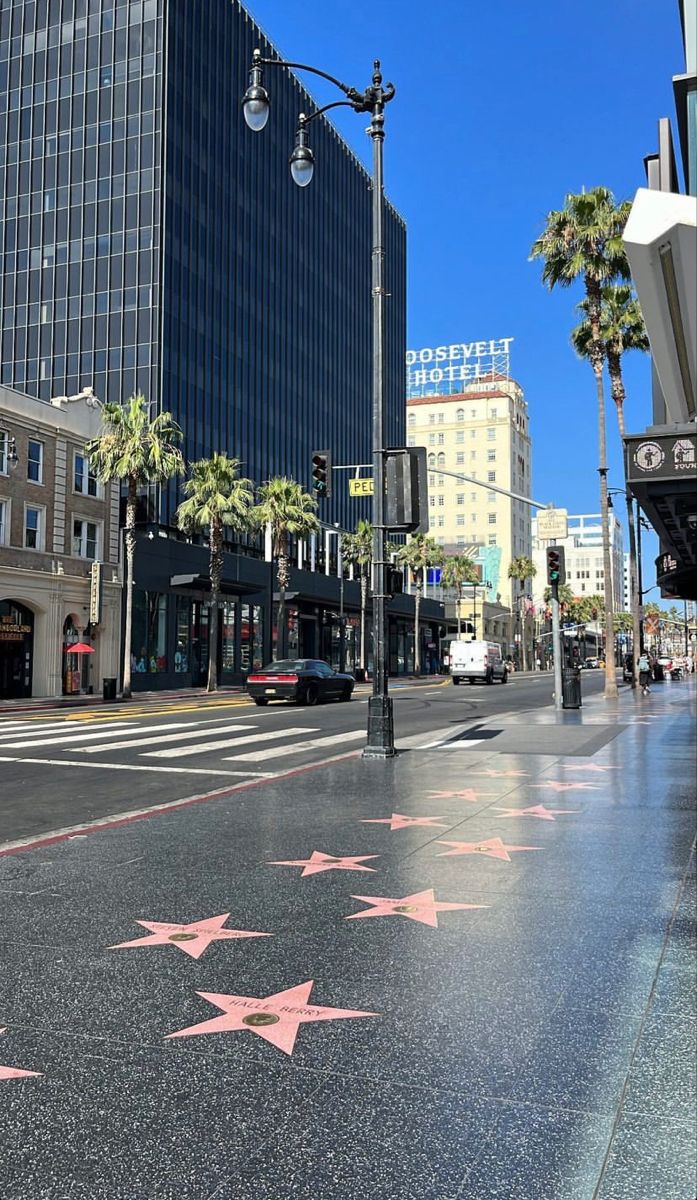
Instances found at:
x=227 y=626
x=251 y=637
x=182 y=639
x=257 y=637
x=149 y=639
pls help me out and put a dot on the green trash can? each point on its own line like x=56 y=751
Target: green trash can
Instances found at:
x=571 y=687
x=109 y=690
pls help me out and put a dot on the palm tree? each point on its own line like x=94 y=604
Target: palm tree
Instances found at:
x=419 y=553
x=357 y=547
x=216 y=497
x=286 y=510
x=622 y=328
x=137 y=450
x=522 y=568
x=459 y=569
x=583 y=240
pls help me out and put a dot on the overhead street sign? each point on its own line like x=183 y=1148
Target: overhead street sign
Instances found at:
x=552 y=524
x=361 y=487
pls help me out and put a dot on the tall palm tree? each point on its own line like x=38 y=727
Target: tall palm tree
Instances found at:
x=357 y=548
x=419 y=553
x=583 y=241
x=288 y=511
x=622 y=328
x=136 y=449
x=459 y=569
x=521 y=568
x=216 y=497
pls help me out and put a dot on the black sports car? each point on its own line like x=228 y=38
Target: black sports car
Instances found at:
x=304 y=680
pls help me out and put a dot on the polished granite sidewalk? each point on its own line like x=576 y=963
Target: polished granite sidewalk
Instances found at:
x=465 y=975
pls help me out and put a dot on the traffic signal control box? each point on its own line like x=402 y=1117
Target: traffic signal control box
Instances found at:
x=406 y=490
x=556 y=567
x=321 y=473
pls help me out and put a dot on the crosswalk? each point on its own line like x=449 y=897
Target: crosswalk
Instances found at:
x=151 y=746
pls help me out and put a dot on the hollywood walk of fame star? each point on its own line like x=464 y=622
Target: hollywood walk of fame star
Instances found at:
x=16 y=1072
x=586 y=767
x=275 y=1018
x=501 y=774
x=398 y=821
x=464 y=794
x=421 y=906
x=493 y=847
x=537 y=810
x=325 y=862
x=553 y=786
x=193 y=939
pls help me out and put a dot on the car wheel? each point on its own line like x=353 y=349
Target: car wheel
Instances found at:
x=504 y=677
x=311 y=695
x=260 y=701
x=456 y=680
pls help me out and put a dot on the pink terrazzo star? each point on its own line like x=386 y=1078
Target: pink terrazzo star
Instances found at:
x=398 y=821
x=501 y=774
x=536 y=810
x=464 y=794
x=325 y=862
x=586 y=767
x=16 y=1072
x=275 y=1018
x=193 y=939
x=493 y=847
x=421 y=906
x=553 y=786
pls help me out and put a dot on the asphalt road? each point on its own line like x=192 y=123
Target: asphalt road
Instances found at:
x=63 y=769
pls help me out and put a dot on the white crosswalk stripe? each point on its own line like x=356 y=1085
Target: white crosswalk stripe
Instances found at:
x=79 y=736
x=227 y=743
x=296 y=747
x=198 y=730
x=30 y=727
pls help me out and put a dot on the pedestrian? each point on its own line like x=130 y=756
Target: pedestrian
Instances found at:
x=538 y=664
x=644 y=674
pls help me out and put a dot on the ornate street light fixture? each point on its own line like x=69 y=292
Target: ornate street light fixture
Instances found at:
x=256 y=107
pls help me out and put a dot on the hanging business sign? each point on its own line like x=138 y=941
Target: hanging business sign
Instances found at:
x=442 y=370
x=552 y=524
x=661 y=457
x=95 y=593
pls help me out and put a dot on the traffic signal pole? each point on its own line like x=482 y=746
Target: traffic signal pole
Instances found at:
x=557 y=649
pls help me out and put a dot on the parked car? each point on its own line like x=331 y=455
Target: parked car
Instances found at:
x=477 y=660
x=302 y=680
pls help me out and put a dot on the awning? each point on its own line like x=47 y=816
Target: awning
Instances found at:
x=660 y=238
x=202 y=584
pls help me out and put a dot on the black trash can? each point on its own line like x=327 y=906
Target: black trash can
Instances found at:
x=570 y=687
x=109 y=689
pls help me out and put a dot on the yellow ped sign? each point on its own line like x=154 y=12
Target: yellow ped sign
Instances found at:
x=361 y=487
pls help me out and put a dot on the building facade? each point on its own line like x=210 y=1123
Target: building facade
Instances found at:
x=59 y=551
x=154 y=243
x=583 y=555
x=482 y=433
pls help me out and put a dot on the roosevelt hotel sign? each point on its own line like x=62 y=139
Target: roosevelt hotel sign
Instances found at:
x=445 y=370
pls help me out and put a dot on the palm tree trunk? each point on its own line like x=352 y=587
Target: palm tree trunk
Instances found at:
x=614 y=363
x=283 y=570
x=130 y=539
x=417 y=631
x=364 y=605
x=216 y=571
x=597 y=360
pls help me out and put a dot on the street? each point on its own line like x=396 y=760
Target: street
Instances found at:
x=63 y=769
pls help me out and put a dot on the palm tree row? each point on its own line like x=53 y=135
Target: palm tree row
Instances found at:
x=583 y=242
x=139 y=450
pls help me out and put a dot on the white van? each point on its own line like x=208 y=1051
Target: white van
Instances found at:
x=477 y=660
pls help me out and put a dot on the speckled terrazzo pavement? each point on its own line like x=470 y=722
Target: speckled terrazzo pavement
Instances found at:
x=514 y=1019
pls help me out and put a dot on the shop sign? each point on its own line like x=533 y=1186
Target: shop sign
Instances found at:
x=95 y=593
x=662 y=457
x=552 y=524
x=11 y=631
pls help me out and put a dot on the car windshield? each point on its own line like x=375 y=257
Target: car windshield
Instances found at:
x=285 y=665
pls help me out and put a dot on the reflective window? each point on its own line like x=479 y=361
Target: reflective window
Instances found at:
x=35 y=461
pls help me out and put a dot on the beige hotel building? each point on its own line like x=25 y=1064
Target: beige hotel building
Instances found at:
x=481 y=432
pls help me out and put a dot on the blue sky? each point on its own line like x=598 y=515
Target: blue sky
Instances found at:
x=502 y=108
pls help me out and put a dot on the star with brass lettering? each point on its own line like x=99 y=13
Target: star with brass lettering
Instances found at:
x=275 y=1018
x=536 y=810
x=421 y=906
x=398 y=821
x=193 y=939
x=464 y=794
x=493 y=847
x=501 y=774
x=553 y=786
x=325 y=862
x=16 y=1072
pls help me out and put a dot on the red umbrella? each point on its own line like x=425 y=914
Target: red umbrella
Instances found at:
x=80 y=648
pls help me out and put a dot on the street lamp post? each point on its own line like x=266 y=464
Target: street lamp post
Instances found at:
x=255 y=106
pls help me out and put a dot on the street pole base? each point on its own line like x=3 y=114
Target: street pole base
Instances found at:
x=380 y=742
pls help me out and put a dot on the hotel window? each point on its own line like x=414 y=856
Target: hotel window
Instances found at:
x=491 y=476
x=432 y=522
x=473 y=433
x=473 y=497
x=473 y=414
x=84 y=479
x=441 y=501
x=411 y=419
x=493 y=412
x=491 y=434
x=431 y=501
x=441 y=418
x=85 y=538
x=35 y=461
x=431 y=418
x=34 y=527
x=492 y=518
x=431 y=478
x=431 y=439
x=441 y=459
x=491 y=456
x=473 y=518
x=4 y=451
x=461 y=497
x=459 y=458
x=460 y=519
x=4 y=521
x=441 y=522
x=492 y=539
x=461 y=541
x=441 y=439
x=460 y=414
x=431 y=460
x=460 y=436
x=411 y=440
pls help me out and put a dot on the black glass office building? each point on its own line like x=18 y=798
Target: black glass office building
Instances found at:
x=152 y=242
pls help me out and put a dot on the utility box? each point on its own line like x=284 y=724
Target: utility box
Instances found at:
x=406 y=490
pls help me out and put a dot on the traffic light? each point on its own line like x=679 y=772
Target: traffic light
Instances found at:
x=556 y=573
x=322 y=473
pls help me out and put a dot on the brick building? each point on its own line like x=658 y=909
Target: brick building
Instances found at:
x=59 y=550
